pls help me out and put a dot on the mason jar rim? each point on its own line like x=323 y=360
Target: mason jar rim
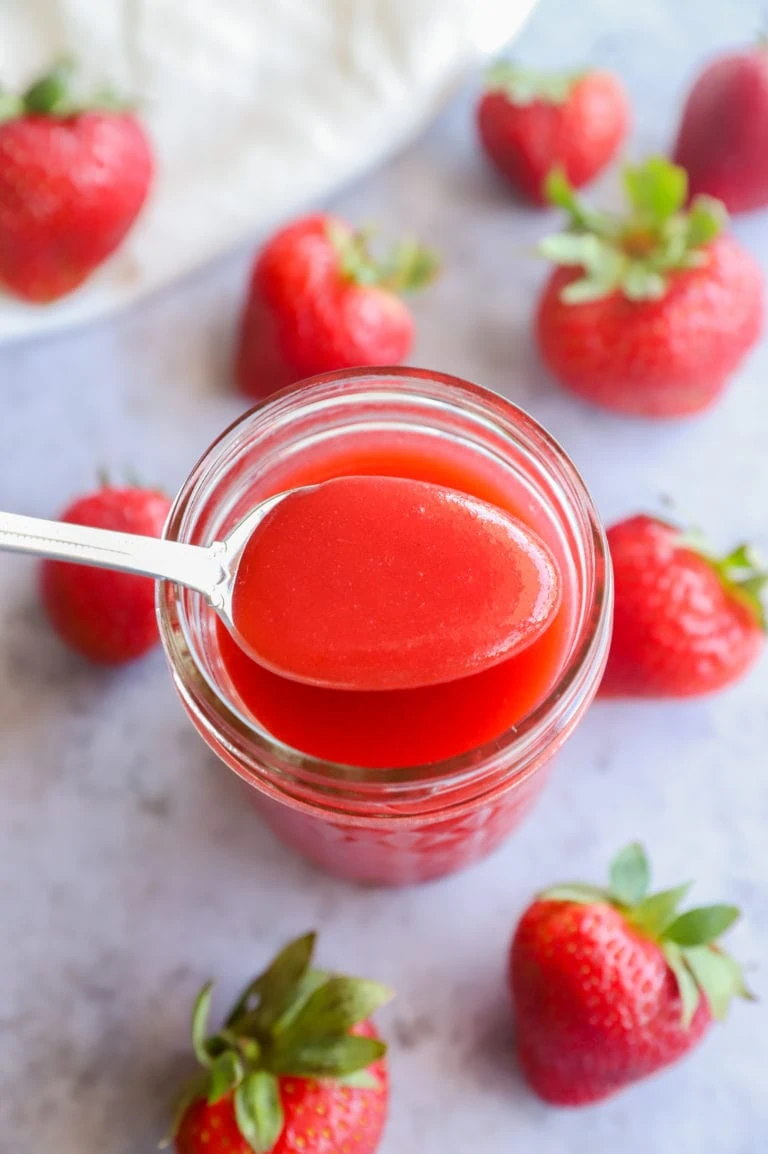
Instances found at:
x=255 y=751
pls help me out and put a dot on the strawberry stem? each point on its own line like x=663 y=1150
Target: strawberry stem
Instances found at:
x=408 y=267
x=637 y=253
x=50 y=95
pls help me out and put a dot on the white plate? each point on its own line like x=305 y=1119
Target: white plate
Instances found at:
x=256 y=108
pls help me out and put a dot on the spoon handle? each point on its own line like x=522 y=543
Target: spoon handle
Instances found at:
x=190 y=565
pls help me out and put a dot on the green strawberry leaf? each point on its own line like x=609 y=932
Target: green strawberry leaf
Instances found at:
x=258 y=1111
x=569 y=248
x=523 y=86
x=700 y=926
x=658 y=911
x=311 y=981
x=707 y=218
x=201 y=1012
x=51 y=94
x=656 y=189
x=11 y=106
x=689 y=991
x=355 y=262
x=559 y=192
x=216 y=1044
x=410 y=267
x=226 y=1073
x=741 y=558
x=586 y=289
x=743 y=573
x=603 y=264
x=249 y=1048
x=333 y=1009
x=671 y=245
x=640 y=283
x=630 y=875
x=275 y=988
x=719 y=977
x=327 y=1058
x=693 y=259
x=360 y=1080
x=584 y=895
x=752 y=590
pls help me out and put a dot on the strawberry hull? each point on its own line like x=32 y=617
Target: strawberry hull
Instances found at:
x=398 y=786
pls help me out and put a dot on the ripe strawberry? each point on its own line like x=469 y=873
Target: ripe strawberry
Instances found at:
x=531 y=122
x=649 y=314
x=723 y=136
x=611 y=985
x=296 y=1067
x=685 y=622
x=318 y=301
x=106 y=616
x=73 y=177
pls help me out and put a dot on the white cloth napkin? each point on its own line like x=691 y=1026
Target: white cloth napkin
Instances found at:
x=256 y=108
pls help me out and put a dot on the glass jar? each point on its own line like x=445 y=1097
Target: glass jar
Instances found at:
x=409 y=824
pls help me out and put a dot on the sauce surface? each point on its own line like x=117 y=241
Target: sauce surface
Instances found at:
x=375 y=584
x=406 y=727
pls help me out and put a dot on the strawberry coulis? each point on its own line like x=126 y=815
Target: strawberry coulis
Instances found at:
x=408 y=726
x=381 y=583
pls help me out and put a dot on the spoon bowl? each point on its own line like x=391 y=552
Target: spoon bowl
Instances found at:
x=382 y=583
x=357 y=583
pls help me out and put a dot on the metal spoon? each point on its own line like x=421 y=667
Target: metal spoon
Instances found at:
x=209 y=570
x=366 y=611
